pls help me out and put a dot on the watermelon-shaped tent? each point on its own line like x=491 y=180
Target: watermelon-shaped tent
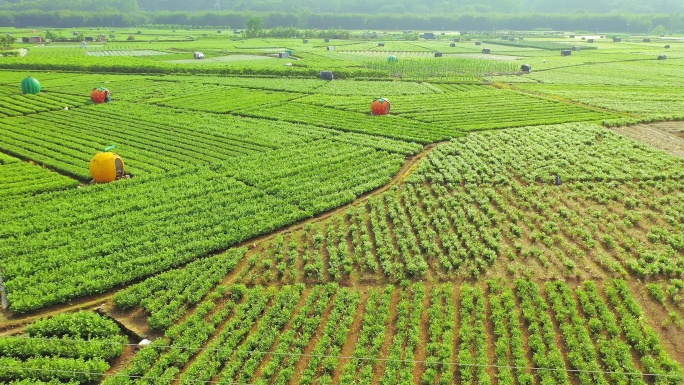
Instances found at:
x=30 y=86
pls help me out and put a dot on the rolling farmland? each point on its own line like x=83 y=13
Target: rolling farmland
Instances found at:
x=497 y=227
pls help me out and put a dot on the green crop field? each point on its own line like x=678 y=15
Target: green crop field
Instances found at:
x=498 y=226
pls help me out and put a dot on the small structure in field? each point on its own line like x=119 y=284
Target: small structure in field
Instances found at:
x=107 y=166
x=35 y=39
x=331 y=48
x=667 y=46
x=30 y=85
x=616 y=39
x=326 y=75
x=486 y=50
x=452 y=45
x=438 y=54
x=381 y=44
x=100 y=95
x=198 y=55
x=526 y=68
x=566 y=52
x=380 y=106
x=646 y=40
x=283 y=55
x=305 y=41
x=576 y=48
x=326 y=40
x=591 y=41
x=478 y=43
x=662 y=57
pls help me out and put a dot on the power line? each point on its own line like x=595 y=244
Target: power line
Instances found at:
x=115 y=375
x=379 y=359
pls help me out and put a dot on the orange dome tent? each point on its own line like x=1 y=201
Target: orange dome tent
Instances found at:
x=106 y=166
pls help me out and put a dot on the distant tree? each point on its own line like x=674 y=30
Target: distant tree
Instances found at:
x=6 y=41
x=254 y=26
x=49 y=35
x=659 y=30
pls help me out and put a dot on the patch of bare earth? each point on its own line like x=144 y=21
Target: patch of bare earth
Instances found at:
x=667 y=136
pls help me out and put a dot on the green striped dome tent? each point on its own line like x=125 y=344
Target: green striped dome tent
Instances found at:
x=30 y=85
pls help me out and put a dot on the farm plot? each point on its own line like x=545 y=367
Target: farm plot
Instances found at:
x=224 y=99
x=151 y=139
x=67 y=348
x=446 y=68
x=20 y=105
x=223 y=59
x=642 y=72
x=390 y=126
x=114 y=52
x=541 y=44
x=273 y=84
x=375 y=88
x=159 y=221
x=486 y=202
x=666 y=136
x=19 y=178
x=299 y=334
x=484 y=108
x=645 y=103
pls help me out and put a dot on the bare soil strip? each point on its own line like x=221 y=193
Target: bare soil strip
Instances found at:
x=667 y=136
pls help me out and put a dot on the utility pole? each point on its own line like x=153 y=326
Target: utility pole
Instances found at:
x=218 y=5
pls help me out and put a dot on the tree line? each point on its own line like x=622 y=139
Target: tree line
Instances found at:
x=354 y=6
x=624 y=22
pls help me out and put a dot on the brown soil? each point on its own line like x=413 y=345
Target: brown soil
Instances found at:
x=667 y=136
x=390 y=332
x=11 y=323
x=353 y=336
x=421 y=350
x=134 y=322
x=303 y=361
x=658 y=319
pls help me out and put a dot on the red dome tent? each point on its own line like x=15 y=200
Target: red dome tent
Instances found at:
x=380 y=106
x=100 y=95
